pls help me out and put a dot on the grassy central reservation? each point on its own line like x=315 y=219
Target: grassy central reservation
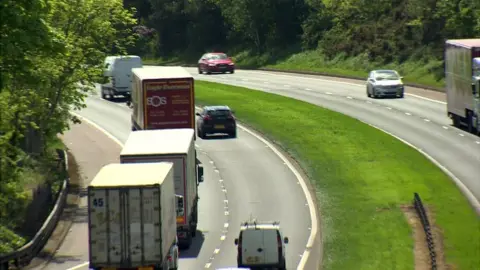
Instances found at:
x=362 y=177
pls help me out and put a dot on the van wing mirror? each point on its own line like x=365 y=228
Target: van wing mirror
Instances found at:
x=197 y=114
x=200 y=173
x=285 y=240
x=236 y=241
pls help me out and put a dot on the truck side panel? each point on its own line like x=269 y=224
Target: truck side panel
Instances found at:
x=105 y=227
x=169 y=103
x=137 y=101
x=458 y=78
x=179 y=175
x=191 y=176
x=168 y=220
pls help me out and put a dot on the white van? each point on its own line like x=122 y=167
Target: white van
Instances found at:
x=118 y=69
x=261 y=245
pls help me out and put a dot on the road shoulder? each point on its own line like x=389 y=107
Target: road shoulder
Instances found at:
x=89 y=149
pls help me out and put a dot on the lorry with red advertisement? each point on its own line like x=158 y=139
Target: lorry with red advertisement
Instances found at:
x=162 y=98
x=462 y=80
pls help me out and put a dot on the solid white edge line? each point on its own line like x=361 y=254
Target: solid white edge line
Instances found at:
x=88 y=121
x=311 y=205
x=79 y=266
x=303 y=184
x=464 y=189
x=346 y=83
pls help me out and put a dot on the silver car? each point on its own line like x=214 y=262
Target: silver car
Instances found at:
x=385 y=83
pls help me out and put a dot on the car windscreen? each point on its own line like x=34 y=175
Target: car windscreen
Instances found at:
x=386 y=75
x=219 y=113
x=217 y=56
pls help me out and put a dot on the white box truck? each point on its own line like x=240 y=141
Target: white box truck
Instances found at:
x=131 y=217
x=177 y=146
x=462 y=79
x=118 y=71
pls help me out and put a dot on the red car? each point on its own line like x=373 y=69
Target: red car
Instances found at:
x=215 y=62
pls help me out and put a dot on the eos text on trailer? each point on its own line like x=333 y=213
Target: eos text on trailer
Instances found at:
x=162 y=98
x=462 y=78
x=177 y=146
x=131 y=217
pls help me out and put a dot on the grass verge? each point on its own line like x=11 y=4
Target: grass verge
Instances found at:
x=421 y=72
x=17 y=198
x=362 y=178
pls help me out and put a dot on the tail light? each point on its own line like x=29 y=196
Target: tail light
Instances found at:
x=169 y=258
x=231 y=117
x=279 y=241
x=207 y=117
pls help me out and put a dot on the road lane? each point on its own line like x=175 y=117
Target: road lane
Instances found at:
x=420 y=121
x=243 y=178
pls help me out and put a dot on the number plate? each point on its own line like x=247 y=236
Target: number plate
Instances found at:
x=219 y=126
x=253 y=259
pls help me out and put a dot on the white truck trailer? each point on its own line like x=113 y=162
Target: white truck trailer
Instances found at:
x=177 y=146
x=462 y=79
x=131 y=217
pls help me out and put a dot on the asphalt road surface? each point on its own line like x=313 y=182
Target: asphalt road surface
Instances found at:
x=421 y=121
x=243 y=179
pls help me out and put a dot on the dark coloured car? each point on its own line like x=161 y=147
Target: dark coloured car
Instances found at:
x=216 y=119
x=215 y=63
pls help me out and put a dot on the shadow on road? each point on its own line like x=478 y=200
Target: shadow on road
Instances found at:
x=195 y=248
x=217 y=137
x=119 y=99
x=65 y=258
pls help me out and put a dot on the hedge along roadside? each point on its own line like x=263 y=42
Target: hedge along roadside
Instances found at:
x=30 y=250
x=415 y=85
x=361 y=182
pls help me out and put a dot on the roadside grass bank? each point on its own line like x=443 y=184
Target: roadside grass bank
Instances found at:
x=26 y=201
x=426 y=72
x=363 y=177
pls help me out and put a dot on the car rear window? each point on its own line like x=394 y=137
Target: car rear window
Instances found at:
x=219 y=113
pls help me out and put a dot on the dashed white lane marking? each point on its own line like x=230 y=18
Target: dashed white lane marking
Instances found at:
x=208 y=265
x=444 y=127
x=460 y=134
x=426 y=120
x=388 y=108
x=407 y=113
x=349 y=97
x=340 y=82
x=216 y=251
x=223 y=237
x=308 y=89
x=225 y=225
x=328 y=93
